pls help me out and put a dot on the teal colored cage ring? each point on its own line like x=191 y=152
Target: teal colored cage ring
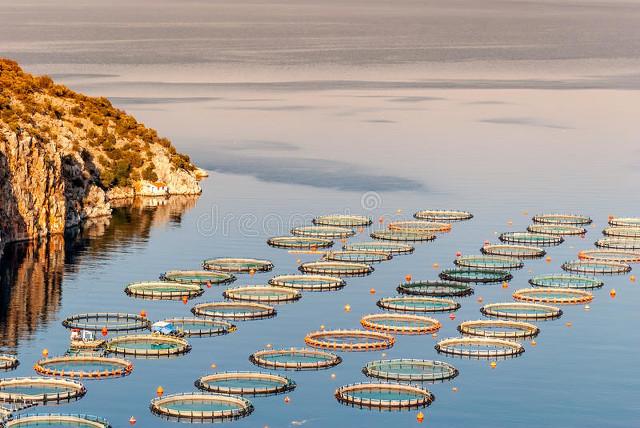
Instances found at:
x=488 y=262
x=8 y=362
x=410 y=370
x=343 y=220
x=418 y=304
x=308 y=282
x=40 y=390
x=533 y=311
x=475 y=275
x=571 y=219
x=299 y=242
x=262 y=293
x=437 y=288
x=112 y=321
x=201 y=407
x=622 y=232
x=297 y=359
x=163 y=290
x=443 y=215
x=226 y=264
x=619 y=243
x=393 y=248
x=245 y=383
x=596 y=267
x=201 y=326
x=625 y=221
x=528 y=238
x=53 y=420
x=517 y=251
x=147 y=346
x=556 y=229
x=234 y=310
x=578 y=282
x=200 y=277
x=479 y=347
x=323 y=231
x=384 y=396
x=402 y=236
x=357 y=256
x=336 y=268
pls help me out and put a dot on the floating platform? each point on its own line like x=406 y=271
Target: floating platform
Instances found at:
x=234 y=310
x=443 y=215
x=8 y=362
x=36 y=390
x=597 y=267
x=420 y=226
x=349 y=340
x=619 y=243
x=53 y=420
x=571 y=219
x=299 y=242
x=201 y=326
x=528 y=238
x=479 y=347
x=199 y=407
x=475 y=275
x=148 y=345
x=384 y=396
x=625 y=221
x=488 y=262
x=163 y=290
x=400 y=323
x=336 y=268
x=344 y=220
x=511 y=330
x=622 y=232
x=245 y=383
x=532 y=311
x=435 y=288
x=295 y=359
x=517 y=251
x=113 y=321
x=201 y=277
x=237 y=265
x=561 y=296
x=91 y=367
x=308 y=282
x=358 y=256
x=392 y=248
x=410 y=370
x=557 y=229
x=263 y=293
x=620 y=256
x=329 y=232
x=402 y=236
x=564 y=280
x=418 y=304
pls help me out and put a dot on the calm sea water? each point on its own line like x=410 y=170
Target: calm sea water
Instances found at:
x=301 y=109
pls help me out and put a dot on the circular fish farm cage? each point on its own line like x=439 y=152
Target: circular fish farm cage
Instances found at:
x=499 y=329
x=564 y=280
x=475 y=275
x=421 y=226
x=299 y=242
x=619 y=243
x=234 y=310
x=410 y=370
x=488 y=262
x=402 y=236
x=620 y=256
x=418 y=304
x=263 y=293
x=245 y=383
x=308 y=282
x=202 y=327
x=297 y=359
x=622 y=232
x=357 y=256
x=323 y=231
x=571 y=219
x=113 y=321
x=527 y=238
x=597 y=267
x=336 y=268
x=561 y=296
x=400 y=323
x=147 y=345
x=163 y=290
x=625 y=221
x=91 y=367
x=443 y=215
x=8 y=362
x=201 y=277
x=199 y=407
x=35 y=390
x=556 y=229
x=436 y=288
x=343 y=220
x=532 y=311
x=53 y=420
x=479 y=347
x=384 y=396
x=349 y=340
x=517 y=251
x=237 y=265
x=392 y=248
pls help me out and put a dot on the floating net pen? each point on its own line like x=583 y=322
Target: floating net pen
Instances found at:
x=199 y=407
x=419 y=226
x=323 y=231
x=297 y=359
x=148 y=345
x=245 y=383
x=436 y=288
x=572 y=219
x=202 y=326
x=201 y=277
x=336 y=268
x=234 y=310
x=349 y=340
x=475 y=275
x=556 y=229
x=488 y=262
x=237 y=265
x=532 y=311
x=511 y=330
x=622 y=232
x=620 y=256
x=343 y=220
x=479 y=347
x=410 y=370
x=443 y=215
x=92 y=367
x=625 y=221
x=163 y=290
x=564 y=280
x=113 y=321
x=597 y=267
x=619 y=243
x=392 y=248
x=53 y=420
x=418 y=304
x=358 y=256
x=528 y=238
x=35 y=390
x=299 y=242
x=400 y=323
x=561 y=296
x=308 y=282
x=517 y=251
x=263 y=294
x=8 y=362
x=402 y=236
x=384 y=396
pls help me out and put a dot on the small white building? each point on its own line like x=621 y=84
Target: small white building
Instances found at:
x=149 y=188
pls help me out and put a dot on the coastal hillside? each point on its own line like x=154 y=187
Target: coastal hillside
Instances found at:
x=64 y=156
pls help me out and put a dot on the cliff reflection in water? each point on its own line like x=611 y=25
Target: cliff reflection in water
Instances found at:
x=32 y=273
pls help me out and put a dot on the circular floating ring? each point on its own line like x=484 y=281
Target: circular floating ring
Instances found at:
x=517 y=251
x=294 y=359
x=343 y=220
x=625 y=221
x=527 y=238
x=92 y=367
x=263 y=293
x=619 y=243
x=201 y=407
x=349 y=340
x=598 y=267
x=323 y=231
x=202 y=327
x=237 y=265
x=384 y=396
x=402 y=236
x=566 y=281
x=410 y=370
x=386 y=247
x=488 y=262
x=419 y=226
x=163 y=290
x=499 y=329
x=622 y=232
x=336 y=268
x=57 y=420
x=437 y=288
x=561 y=296
x=621 y=256
x=475 y=275
x=572 y=219
x=113 y=321
x=201 y=277
x=556 y=229
x=234 y=310
x=35 y=390
x=418 y=304
x=8 y=362
x=308 y=282
x=443 y=215
x=147 y=345
x=400 y=323
x=521 y=311
x=299 y=242
x=358 y=256
x=245 y=383
x=479 y=347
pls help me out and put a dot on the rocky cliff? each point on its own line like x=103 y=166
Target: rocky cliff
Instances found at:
x=64 y=156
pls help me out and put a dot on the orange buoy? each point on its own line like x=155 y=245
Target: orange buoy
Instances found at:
x=360 y=229
x=372 y=291
x=184 y=299
x=381 y=219
x=314 y=247
x=143 y=313
x=458 y=253
x=343 y=240
x=132 y=420
x=287 y=399
x=612 y=293
x=505 y=284
x=298 y=261
x=632 y=278
x=434 y=335
x=321 y=326
x=214 y=366
x=534 y=343
x=252 y=272
x=493 y=364
x=510 y=222
x=347 y=308
x=384 y=354
x=569 y=324
x=454 y=389
x=45 y=352
x=587 y=307
x=269 y=346
x=420 y=417
x=436 y=265
x=399 y=211
x=104 y=331
x=159 y=391
x=486 y=243
x=480 y=299
x=408 y=277
x=333 y=375
x=208 y=284
x=548 y=259
x=452 y=317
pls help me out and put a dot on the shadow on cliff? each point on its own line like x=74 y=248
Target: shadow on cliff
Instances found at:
x=11 y=222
